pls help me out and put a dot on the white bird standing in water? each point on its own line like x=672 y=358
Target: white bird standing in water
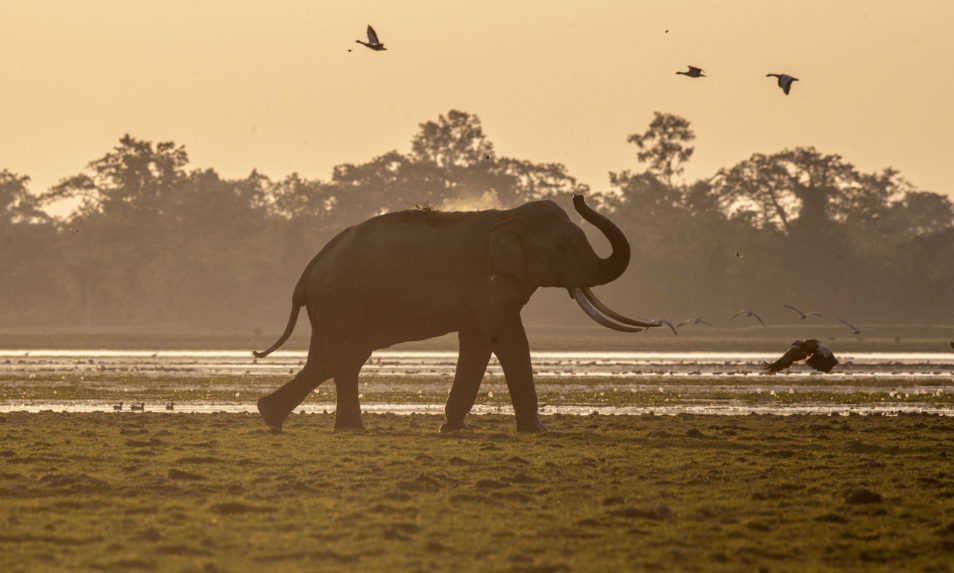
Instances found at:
x=372 y=42
x=784 y=81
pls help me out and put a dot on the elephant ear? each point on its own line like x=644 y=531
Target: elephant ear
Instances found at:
x=506 y=254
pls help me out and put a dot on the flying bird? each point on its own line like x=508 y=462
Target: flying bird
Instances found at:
x=801 y=315
x=372 y=42
x=695 y=321
x=744 y=312
x=784 y=81
x=819 y=356
x=693 y=72
x=854 y=329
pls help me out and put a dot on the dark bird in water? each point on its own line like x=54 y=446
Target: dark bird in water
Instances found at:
x=784 y=81
x=696 y=321
x=744 y=312
x=693 y=72
x=140 y=407
x=372 y=42
x=801 y=315
x=118 y=407
x=854 y=329
x=819 y=356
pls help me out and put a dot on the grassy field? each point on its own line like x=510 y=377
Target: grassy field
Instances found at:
x=175 y=492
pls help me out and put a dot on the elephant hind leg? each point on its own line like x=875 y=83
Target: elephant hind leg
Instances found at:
x=275 y=407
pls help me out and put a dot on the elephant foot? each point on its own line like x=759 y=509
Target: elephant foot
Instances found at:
x=349 y=428
x=534 y=427
x=348 y=424
x=273 y=422
x=449 y=427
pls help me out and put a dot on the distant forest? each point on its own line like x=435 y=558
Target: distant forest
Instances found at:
x=157 y=241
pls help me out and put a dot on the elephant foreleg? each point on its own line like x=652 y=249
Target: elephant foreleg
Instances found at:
x=473 y=355
x=513 y=351
x=348 y=409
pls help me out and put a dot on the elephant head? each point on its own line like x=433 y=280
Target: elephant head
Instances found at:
x=539 y=246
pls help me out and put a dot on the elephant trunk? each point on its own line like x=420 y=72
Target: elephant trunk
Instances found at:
x=610 y=268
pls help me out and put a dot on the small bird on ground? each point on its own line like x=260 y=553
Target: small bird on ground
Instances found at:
x=854 y=329
x=744 y=312
x=693 y=72
x=140 y=407
x=372 y=42
x=801 y=315
x=819 y=356
x=118 y=407
x=784 y=81
x=695 y=321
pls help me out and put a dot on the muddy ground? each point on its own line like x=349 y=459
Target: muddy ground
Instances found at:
x=216 y=492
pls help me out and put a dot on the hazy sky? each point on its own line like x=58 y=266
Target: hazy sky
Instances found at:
x=270 y=85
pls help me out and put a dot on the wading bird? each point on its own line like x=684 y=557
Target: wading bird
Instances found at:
x=693 y=72
x=784 y=81
x=744 y=312
x=118 y=407
x=819 y=356
x=696 y=321
x=171 y=406
x=372 y=42
x=801 y=315
x=140 y=407
x=854 y=329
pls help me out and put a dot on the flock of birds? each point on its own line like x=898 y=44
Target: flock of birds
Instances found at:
x=819 y=356
x=784 y=80
x=141 y=406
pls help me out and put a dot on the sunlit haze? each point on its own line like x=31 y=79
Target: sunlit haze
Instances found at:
x=272 y=86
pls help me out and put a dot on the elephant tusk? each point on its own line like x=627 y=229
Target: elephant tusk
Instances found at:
x=623 y=319
x=588 y=308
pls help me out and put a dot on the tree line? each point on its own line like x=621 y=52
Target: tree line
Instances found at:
x=155 y=240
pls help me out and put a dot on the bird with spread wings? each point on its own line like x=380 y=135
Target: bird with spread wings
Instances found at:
x=820 y=357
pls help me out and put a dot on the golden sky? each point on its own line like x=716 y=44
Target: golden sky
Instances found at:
x=270 y=85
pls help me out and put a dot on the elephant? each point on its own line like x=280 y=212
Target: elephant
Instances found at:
x=416 y=274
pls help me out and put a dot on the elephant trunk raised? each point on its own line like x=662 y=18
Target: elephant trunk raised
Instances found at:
x=613 y=266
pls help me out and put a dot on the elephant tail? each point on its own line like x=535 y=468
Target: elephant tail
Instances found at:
x=298 y=300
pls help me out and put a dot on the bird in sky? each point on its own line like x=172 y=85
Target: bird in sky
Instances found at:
x=695 y=321
x=784 y=81
x=744 y=312
x=820 y=357
x=801 y=315
x=693 y=72
x=372 y=42
x=854 y=329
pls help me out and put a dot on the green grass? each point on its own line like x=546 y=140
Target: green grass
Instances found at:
x=176 y=492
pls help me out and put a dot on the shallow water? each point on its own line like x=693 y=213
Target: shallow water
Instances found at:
x=442 y=364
